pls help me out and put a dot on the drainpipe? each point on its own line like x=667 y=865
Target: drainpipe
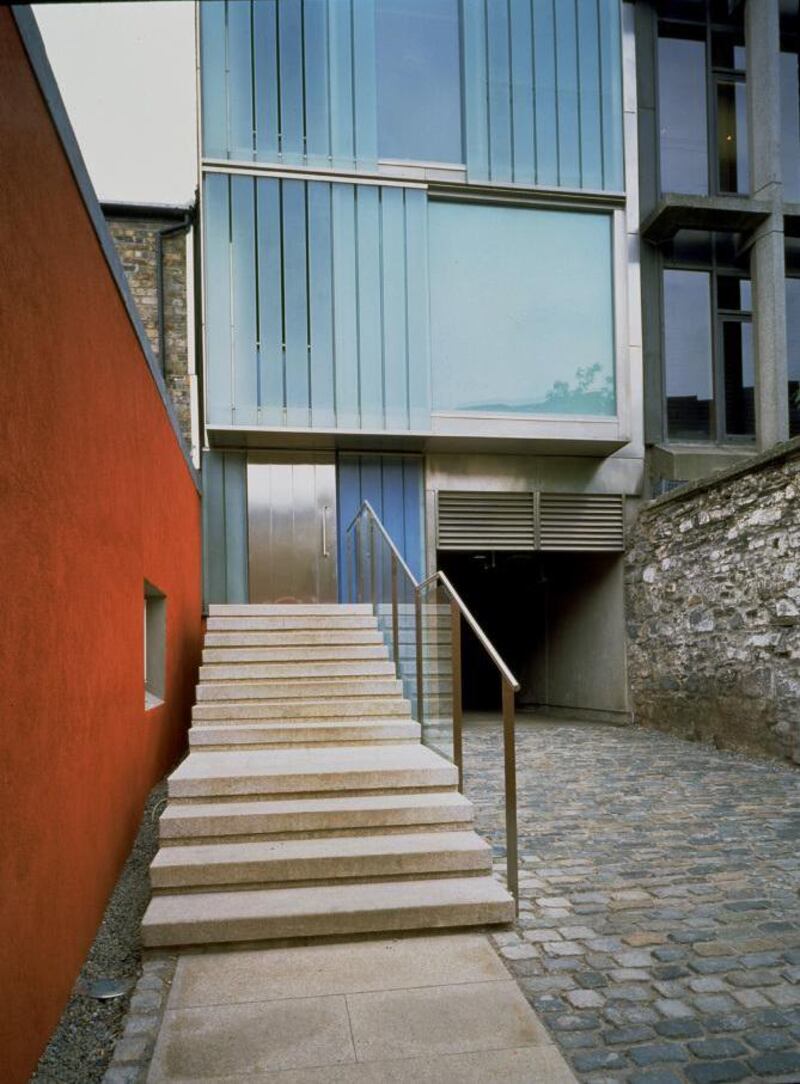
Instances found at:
x=166 y=231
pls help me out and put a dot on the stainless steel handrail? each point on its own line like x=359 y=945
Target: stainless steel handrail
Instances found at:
x=484 y=639
x=458 y=609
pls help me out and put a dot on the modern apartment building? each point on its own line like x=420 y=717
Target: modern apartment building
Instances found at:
x=719 y=184
x=421 y=288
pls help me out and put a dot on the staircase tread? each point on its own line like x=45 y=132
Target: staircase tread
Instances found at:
x=201 y=854
x=347 y=803
x=324 y=900
x=271 y=762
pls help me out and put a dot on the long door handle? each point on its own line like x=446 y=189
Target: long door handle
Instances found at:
x=325 y=552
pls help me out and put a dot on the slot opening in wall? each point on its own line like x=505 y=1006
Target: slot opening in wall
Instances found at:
x=155 y=645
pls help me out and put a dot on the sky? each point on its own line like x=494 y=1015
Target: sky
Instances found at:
x=126 y=72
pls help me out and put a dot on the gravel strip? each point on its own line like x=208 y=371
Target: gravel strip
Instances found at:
x=82 y=1045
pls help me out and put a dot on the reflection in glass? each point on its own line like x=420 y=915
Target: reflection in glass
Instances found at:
x=790 y=125
x=737 y=347
x=419 y=80
x=683 y=115
x=732 y=137
x=687 y=354
x=521 y=310
x=793 y=352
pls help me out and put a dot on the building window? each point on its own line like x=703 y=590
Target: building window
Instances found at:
x=418 y=64
x=521 y=310
x=709 y=371
x=793 y=352
x=155 y=645
x=702 y=101
x=790 y=119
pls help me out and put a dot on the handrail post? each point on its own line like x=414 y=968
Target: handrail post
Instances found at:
x=373 y=569
x=455 y=638
x=418 y=640
x=348 y=562
x=395 y=618
x=359 y=561
x=510 y=764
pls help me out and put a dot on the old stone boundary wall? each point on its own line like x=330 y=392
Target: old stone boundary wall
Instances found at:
x=713 y=608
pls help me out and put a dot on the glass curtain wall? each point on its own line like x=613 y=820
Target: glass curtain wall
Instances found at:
x=709 y=372
x=702 y=104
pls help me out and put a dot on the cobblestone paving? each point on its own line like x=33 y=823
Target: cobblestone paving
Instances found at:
x=659 y=926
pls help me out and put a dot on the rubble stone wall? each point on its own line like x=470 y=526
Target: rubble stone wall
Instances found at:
x=713 y=608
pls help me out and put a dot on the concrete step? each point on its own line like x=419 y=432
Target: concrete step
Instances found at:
x=266 y=914
x=309 y=688
x=269 y=671
x=333 y=858
x=284 y=621
x=295 y=638
x=366 y=812
x=355 y=707
x=302 y=654
x=294 y=609
x=264 y=772
x=327 y=733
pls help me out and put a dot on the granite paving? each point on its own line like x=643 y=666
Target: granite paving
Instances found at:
x=659 y=927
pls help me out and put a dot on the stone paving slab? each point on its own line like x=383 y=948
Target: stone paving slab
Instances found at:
x=418 y=1008
x=659 y=927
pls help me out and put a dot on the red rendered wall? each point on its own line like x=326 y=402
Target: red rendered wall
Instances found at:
x=95 y=497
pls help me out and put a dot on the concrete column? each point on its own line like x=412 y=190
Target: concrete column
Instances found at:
x=767 y=266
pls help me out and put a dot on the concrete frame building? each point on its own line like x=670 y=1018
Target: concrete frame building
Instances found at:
x=719 y=182
x=421 y=287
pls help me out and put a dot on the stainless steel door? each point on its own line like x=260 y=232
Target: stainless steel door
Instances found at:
x=291 y=512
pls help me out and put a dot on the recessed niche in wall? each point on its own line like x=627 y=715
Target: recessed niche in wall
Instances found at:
x=155 y=645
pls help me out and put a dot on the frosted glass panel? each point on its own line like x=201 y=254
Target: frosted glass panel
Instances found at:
x=419 y=80
x=521 y=310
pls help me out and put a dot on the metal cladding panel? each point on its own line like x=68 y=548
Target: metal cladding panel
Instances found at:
x=543 y=92
x=316 y=304
x=493 y=521
x=224 y=527
x=289 y=82
x=589 y=522
x=581 y=521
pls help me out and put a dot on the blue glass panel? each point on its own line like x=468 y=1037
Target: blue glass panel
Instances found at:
x=240 y=82
x=243 y=252
x=216 y=218
x=370 y=363
x=295 y=302
x=476 y=110
x=317 y=105
x=340 y=37
x=265 y=72
x=499 y=61
x=569 y=163
x=270 y=292
x=683 y=115
x=235 y=511
x=394 y=307
x=344 y=307
x=419 y=365
x=414 y=515
x=506 y=287
x=790 y=125
x=212 y=65
x=521 y=37
x=290 y=39
x=320 y=285
x=687 y=355
x=544 y=67
x=348 y=500
x=365 y=105
x=611 y=66
x=589 y=83
x=419 y=80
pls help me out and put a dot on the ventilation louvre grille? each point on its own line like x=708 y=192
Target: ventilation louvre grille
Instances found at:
x=581 y=521
x=578 y=522
x=491 y=521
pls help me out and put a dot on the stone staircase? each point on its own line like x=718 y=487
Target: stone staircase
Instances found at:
x=307 y=805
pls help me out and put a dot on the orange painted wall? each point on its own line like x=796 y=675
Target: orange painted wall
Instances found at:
x=95 y=496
